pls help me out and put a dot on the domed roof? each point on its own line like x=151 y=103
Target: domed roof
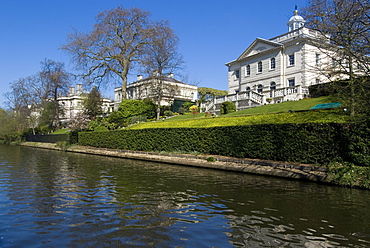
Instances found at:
x=296 y=17
x=296 y=21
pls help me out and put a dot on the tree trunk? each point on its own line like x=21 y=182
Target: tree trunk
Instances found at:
x=124 y=87
x=158 y=111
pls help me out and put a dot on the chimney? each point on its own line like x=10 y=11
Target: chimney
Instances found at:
x=171 y=75
x=79 y=89
x=139 y=77
x=71 y=90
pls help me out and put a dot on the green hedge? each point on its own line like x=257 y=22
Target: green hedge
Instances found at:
x=306 y=143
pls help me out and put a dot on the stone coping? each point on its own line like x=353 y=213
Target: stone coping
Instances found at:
x=243 y=165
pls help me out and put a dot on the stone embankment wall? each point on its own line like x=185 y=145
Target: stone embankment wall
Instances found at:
x=252 y=166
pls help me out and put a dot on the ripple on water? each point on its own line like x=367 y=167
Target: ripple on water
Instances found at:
x=71 y=200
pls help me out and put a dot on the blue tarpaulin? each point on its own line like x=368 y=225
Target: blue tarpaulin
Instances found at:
x=326 y=105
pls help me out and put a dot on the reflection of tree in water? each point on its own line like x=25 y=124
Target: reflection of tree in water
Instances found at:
x=90 y=200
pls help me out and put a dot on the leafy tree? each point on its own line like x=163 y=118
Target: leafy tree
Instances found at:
x=227 y=108
x=116 y=120
x=130 y=108
x=344 y=27
x=209 y=92
x=187 y=105
x=93 y=104
x=9 y=128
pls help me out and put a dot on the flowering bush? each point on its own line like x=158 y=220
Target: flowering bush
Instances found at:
x=79 y=122
x=209 y=114
x=194 y=109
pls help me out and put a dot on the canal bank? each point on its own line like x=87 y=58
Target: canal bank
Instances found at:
x=251 y=166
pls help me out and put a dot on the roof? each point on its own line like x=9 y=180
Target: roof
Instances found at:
x=258 y=46
x=163 y=78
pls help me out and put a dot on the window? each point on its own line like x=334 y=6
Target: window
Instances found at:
x=259 y=68
x=248 y=70
x=291 y=59
x=272 y=63
x=273 y=86
x=334 y=62
x=237 y=74
x=317 y=59
x=248 y=88
x=291 y=82
x=259 y=88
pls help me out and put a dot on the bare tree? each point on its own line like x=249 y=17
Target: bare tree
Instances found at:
x=344 y=26
x=161 y=55
x=160 y=60
x=161 y=89
x=113 y=47
x=55 y=81
x=38 y=93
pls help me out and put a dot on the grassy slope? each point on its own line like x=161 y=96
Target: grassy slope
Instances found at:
x=61 y=131
x=267 y=114
x=304 y=104
x=279 y=118
x=345 y=175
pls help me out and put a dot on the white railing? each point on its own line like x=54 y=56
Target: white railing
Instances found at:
x=289 y=93
x=208 y=105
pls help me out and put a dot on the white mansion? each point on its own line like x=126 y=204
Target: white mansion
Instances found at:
x=165 y=89
x=73 y=104
x=172 y=91
x=274 y=70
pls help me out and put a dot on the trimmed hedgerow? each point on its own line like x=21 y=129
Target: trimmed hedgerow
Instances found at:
x=306 y=143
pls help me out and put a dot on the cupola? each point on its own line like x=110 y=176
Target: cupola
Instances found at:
x=296 y=21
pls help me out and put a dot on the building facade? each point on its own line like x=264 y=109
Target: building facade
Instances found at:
x=275 y=70
x=73 y=104
x=161 y=89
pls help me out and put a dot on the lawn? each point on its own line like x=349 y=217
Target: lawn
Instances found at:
x=314 y=116
x=280 y=113
x=61 y=131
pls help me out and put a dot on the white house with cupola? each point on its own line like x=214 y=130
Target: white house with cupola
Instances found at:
x=274 y=70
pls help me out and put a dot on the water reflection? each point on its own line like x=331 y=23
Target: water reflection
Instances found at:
x=73 y=200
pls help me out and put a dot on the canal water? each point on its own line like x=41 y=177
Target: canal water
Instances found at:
x=58 y=199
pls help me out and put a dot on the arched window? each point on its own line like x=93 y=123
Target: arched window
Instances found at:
x=272 y=63
x=259 y=88
x=248 y=70
x=273 y=86
x=259 y=68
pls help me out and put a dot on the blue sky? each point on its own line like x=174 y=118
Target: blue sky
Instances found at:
x=211 y=32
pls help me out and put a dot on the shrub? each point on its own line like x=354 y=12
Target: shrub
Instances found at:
x=187 y=105
x=137 y=119
x=182 y=111
x=62 y=145
x=305 y=143
x=211 y=159
x=194 y=110
x=227 y=108
x=168 y=113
